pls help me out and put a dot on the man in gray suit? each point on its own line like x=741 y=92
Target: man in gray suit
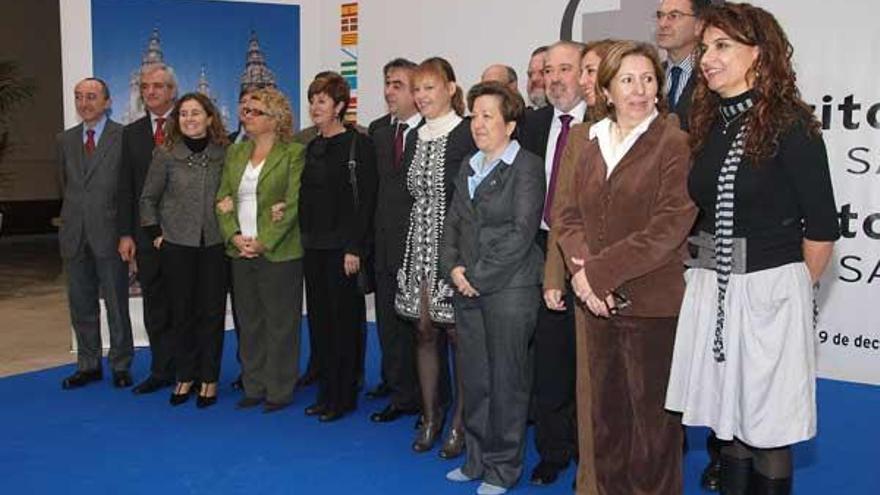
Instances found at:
x=89 y=156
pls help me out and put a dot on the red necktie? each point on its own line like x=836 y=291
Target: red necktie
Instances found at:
x=159 y=136
x=90 y=142
x=398 y=145
x=557 y=157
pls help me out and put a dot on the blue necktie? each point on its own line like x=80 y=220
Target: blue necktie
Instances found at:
x=674 y=79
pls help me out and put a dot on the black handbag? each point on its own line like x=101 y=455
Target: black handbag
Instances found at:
x=366 y=276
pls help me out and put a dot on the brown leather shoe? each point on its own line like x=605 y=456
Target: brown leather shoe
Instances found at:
x=427 y=435
x=454 y=444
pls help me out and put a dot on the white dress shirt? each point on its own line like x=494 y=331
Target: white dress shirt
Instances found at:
x=577 y=113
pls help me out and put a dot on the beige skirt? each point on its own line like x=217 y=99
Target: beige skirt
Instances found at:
x=764 y=393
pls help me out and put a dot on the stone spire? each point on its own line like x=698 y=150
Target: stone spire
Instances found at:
x=256 y=72
x=203 y=86
x=153 y=53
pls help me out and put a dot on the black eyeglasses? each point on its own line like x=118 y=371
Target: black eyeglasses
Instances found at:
x=673 y=16
x=256 y=112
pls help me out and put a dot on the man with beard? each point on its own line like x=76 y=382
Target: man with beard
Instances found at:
x=535 y=83
x=545 y=134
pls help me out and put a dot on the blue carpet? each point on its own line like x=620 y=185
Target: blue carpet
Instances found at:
x=101 y=440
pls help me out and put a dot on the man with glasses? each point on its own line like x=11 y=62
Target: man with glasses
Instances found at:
x=678 y=29
x=158 y=91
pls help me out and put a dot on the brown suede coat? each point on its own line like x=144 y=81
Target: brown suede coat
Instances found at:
x=630 y=229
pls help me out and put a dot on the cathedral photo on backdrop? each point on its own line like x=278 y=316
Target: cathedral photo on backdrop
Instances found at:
x=215 y=48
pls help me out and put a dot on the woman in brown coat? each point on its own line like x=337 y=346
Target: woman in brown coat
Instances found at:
x=620 y=219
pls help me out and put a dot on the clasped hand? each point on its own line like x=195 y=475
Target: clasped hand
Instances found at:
x=584 y=292
x=248 y=247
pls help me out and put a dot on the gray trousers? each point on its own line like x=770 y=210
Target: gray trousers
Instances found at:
x=86 y=276
x=496 y=367
x=268 y=304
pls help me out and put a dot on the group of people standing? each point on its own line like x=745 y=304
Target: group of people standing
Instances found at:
x=635 y=251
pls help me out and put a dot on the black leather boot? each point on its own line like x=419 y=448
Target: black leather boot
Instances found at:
x=711 y=478
x=735 y=476
x=762 y=485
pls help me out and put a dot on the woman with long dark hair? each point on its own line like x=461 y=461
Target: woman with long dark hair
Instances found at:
x=745 y=357
x=177 y=209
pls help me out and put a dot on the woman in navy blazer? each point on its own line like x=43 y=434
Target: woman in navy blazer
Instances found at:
x=490 y=256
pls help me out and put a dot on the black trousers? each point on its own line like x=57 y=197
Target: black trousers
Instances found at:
x=555 y=409
x=398 y=343
x=157 y=317
x=336 y=311
x=196 y=283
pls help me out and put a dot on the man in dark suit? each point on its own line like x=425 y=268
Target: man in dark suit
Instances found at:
x=158 y=90
x=678 y=26
x=395 y=137
x=545 y=133
x=89 y=155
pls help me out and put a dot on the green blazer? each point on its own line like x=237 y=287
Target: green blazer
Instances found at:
x=278 y=182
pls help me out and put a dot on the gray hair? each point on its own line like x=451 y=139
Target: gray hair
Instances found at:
x=170 y=76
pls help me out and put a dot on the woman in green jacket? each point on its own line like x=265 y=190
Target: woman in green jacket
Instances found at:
x=266 y=253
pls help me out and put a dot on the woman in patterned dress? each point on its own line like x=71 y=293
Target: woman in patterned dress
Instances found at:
x=444 y=141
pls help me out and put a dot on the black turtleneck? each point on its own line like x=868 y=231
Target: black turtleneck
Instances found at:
x=196 y=145
x=779 y=202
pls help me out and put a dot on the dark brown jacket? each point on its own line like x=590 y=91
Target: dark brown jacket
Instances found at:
x=631 y=227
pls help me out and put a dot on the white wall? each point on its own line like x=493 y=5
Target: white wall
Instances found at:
x=470 y=34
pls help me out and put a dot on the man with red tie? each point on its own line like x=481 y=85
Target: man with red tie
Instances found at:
x=89 y=158
x=395 y=142
x=545 y=133
x=158 y=91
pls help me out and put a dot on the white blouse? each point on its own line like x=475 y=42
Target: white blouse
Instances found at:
x=612 y=153
x=247 y=199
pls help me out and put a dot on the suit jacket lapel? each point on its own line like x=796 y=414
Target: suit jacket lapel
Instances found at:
x=409 y=147
x=498 y=175
x=272 y=161
x=646 y=142
x=76 y=150
x=108 y=137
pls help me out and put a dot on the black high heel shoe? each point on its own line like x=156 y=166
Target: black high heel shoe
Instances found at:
x=316 y=409
x=204 y=400
x=179 y=396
